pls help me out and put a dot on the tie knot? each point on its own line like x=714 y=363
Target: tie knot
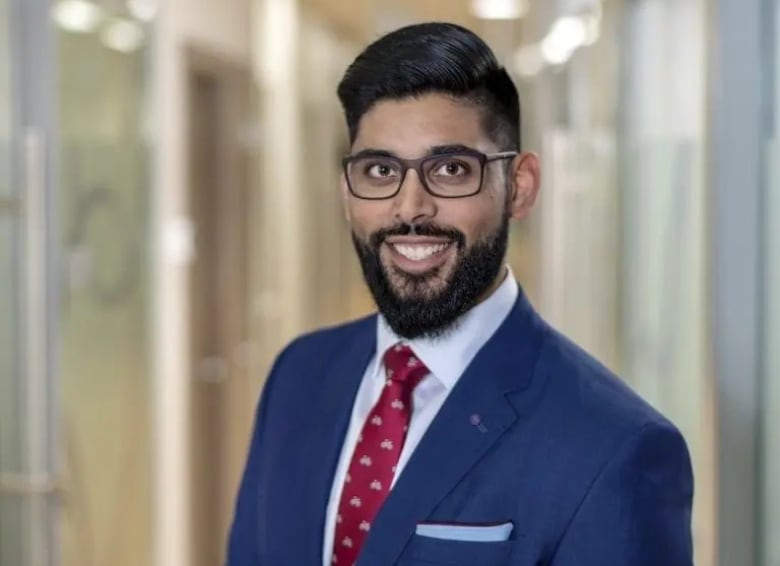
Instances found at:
x=403 y=366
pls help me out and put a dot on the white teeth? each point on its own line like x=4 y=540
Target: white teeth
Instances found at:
x=418 y=253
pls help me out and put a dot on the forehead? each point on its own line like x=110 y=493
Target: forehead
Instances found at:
x=408 y=127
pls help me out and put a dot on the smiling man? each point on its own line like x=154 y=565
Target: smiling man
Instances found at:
x=455 y=427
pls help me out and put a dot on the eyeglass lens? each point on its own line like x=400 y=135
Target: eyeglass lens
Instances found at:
x=450 y=175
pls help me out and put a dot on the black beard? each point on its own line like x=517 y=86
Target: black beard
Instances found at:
x=421 y=312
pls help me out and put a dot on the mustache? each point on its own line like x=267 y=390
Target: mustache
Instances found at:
x=426 y=229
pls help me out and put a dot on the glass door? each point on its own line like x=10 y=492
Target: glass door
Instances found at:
x=103 y=205
x=75 y=443
x=28 y=487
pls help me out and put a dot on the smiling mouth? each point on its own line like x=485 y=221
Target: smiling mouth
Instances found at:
x=419 y=257
x=419 y=252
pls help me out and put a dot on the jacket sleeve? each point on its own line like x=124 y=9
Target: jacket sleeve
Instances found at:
x=638 y=509
x=245 y=529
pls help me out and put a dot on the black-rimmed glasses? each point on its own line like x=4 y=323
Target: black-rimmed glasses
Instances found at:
x=457 y=174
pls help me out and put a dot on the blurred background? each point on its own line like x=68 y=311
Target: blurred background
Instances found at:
x=170 y=218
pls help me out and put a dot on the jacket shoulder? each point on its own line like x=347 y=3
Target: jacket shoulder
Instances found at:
x=595 y=399
x=318 y=348
x=590 y=424
x=329 y=338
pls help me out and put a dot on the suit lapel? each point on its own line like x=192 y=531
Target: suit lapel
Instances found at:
x=474 y=416
x=336 y=394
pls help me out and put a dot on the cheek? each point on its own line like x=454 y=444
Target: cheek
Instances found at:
x=366 y=217
x=477 y=219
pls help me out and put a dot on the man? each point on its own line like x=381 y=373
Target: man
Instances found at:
x=456 y=427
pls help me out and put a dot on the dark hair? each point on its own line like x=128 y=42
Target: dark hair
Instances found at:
x=433 y=57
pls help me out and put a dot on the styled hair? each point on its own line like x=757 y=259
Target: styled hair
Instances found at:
x=433 y=58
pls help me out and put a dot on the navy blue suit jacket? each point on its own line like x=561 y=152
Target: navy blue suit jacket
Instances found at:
x=589 y=474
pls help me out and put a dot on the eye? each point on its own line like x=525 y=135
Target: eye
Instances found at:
x=451 y=168
x=379 y=170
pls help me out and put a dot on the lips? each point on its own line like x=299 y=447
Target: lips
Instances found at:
x=418 y=255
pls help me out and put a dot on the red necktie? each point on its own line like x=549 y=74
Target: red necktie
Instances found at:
x=376 y=454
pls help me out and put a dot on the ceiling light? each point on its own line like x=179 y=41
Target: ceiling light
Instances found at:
x=143 y=10
x=592 y=28
x=79 y=16
x=499 y=9
x=123 y=35
x=565 y=37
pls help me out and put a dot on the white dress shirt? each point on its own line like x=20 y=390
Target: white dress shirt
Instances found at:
x=446 y=358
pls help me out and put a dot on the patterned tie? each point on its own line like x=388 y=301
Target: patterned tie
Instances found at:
x=376 y=454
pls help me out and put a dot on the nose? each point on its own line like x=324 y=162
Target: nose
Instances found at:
x=413 y=203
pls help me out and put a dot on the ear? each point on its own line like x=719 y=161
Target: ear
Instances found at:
x=526 y=179
x=344 y=189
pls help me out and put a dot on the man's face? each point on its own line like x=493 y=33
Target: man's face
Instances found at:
x=427 y=259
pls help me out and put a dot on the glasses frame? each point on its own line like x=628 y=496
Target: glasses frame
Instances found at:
x=417 y=165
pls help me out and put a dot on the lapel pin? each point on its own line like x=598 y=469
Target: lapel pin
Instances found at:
x=476 y=420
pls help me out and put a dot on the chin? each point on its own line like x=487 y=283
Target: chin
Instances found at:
x=423 y=286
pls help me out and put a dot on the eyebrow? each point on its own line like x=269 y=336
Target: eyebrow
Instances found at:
x=435 y=150
x=444 y=149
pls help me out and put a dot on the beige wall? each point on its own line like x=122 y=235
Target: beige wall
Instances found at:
x=302 y=273
x=222 y=29
x=305 y=275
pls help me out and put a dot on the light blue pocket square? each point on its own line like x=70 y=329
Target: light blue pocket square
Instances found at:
x=465 y=532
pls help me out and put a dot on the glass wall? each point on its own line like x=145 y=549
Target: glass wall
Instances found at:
x=104 y=199
x=74 y=422
x=664 y=285
x=621 y=226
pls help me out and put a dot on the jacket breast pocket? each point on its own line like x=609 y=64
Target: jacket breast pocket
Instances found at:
x=422 y=551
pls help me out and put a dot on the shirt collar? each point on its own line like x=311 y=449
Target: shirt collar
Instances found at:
x=447 y=357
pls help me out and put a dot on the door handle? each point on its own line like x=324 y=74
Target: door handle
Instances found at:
x=29 y=485
x=36 y=304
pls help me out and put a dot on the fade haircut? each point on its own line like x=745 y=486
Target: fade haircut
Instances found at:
x=434 y=58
